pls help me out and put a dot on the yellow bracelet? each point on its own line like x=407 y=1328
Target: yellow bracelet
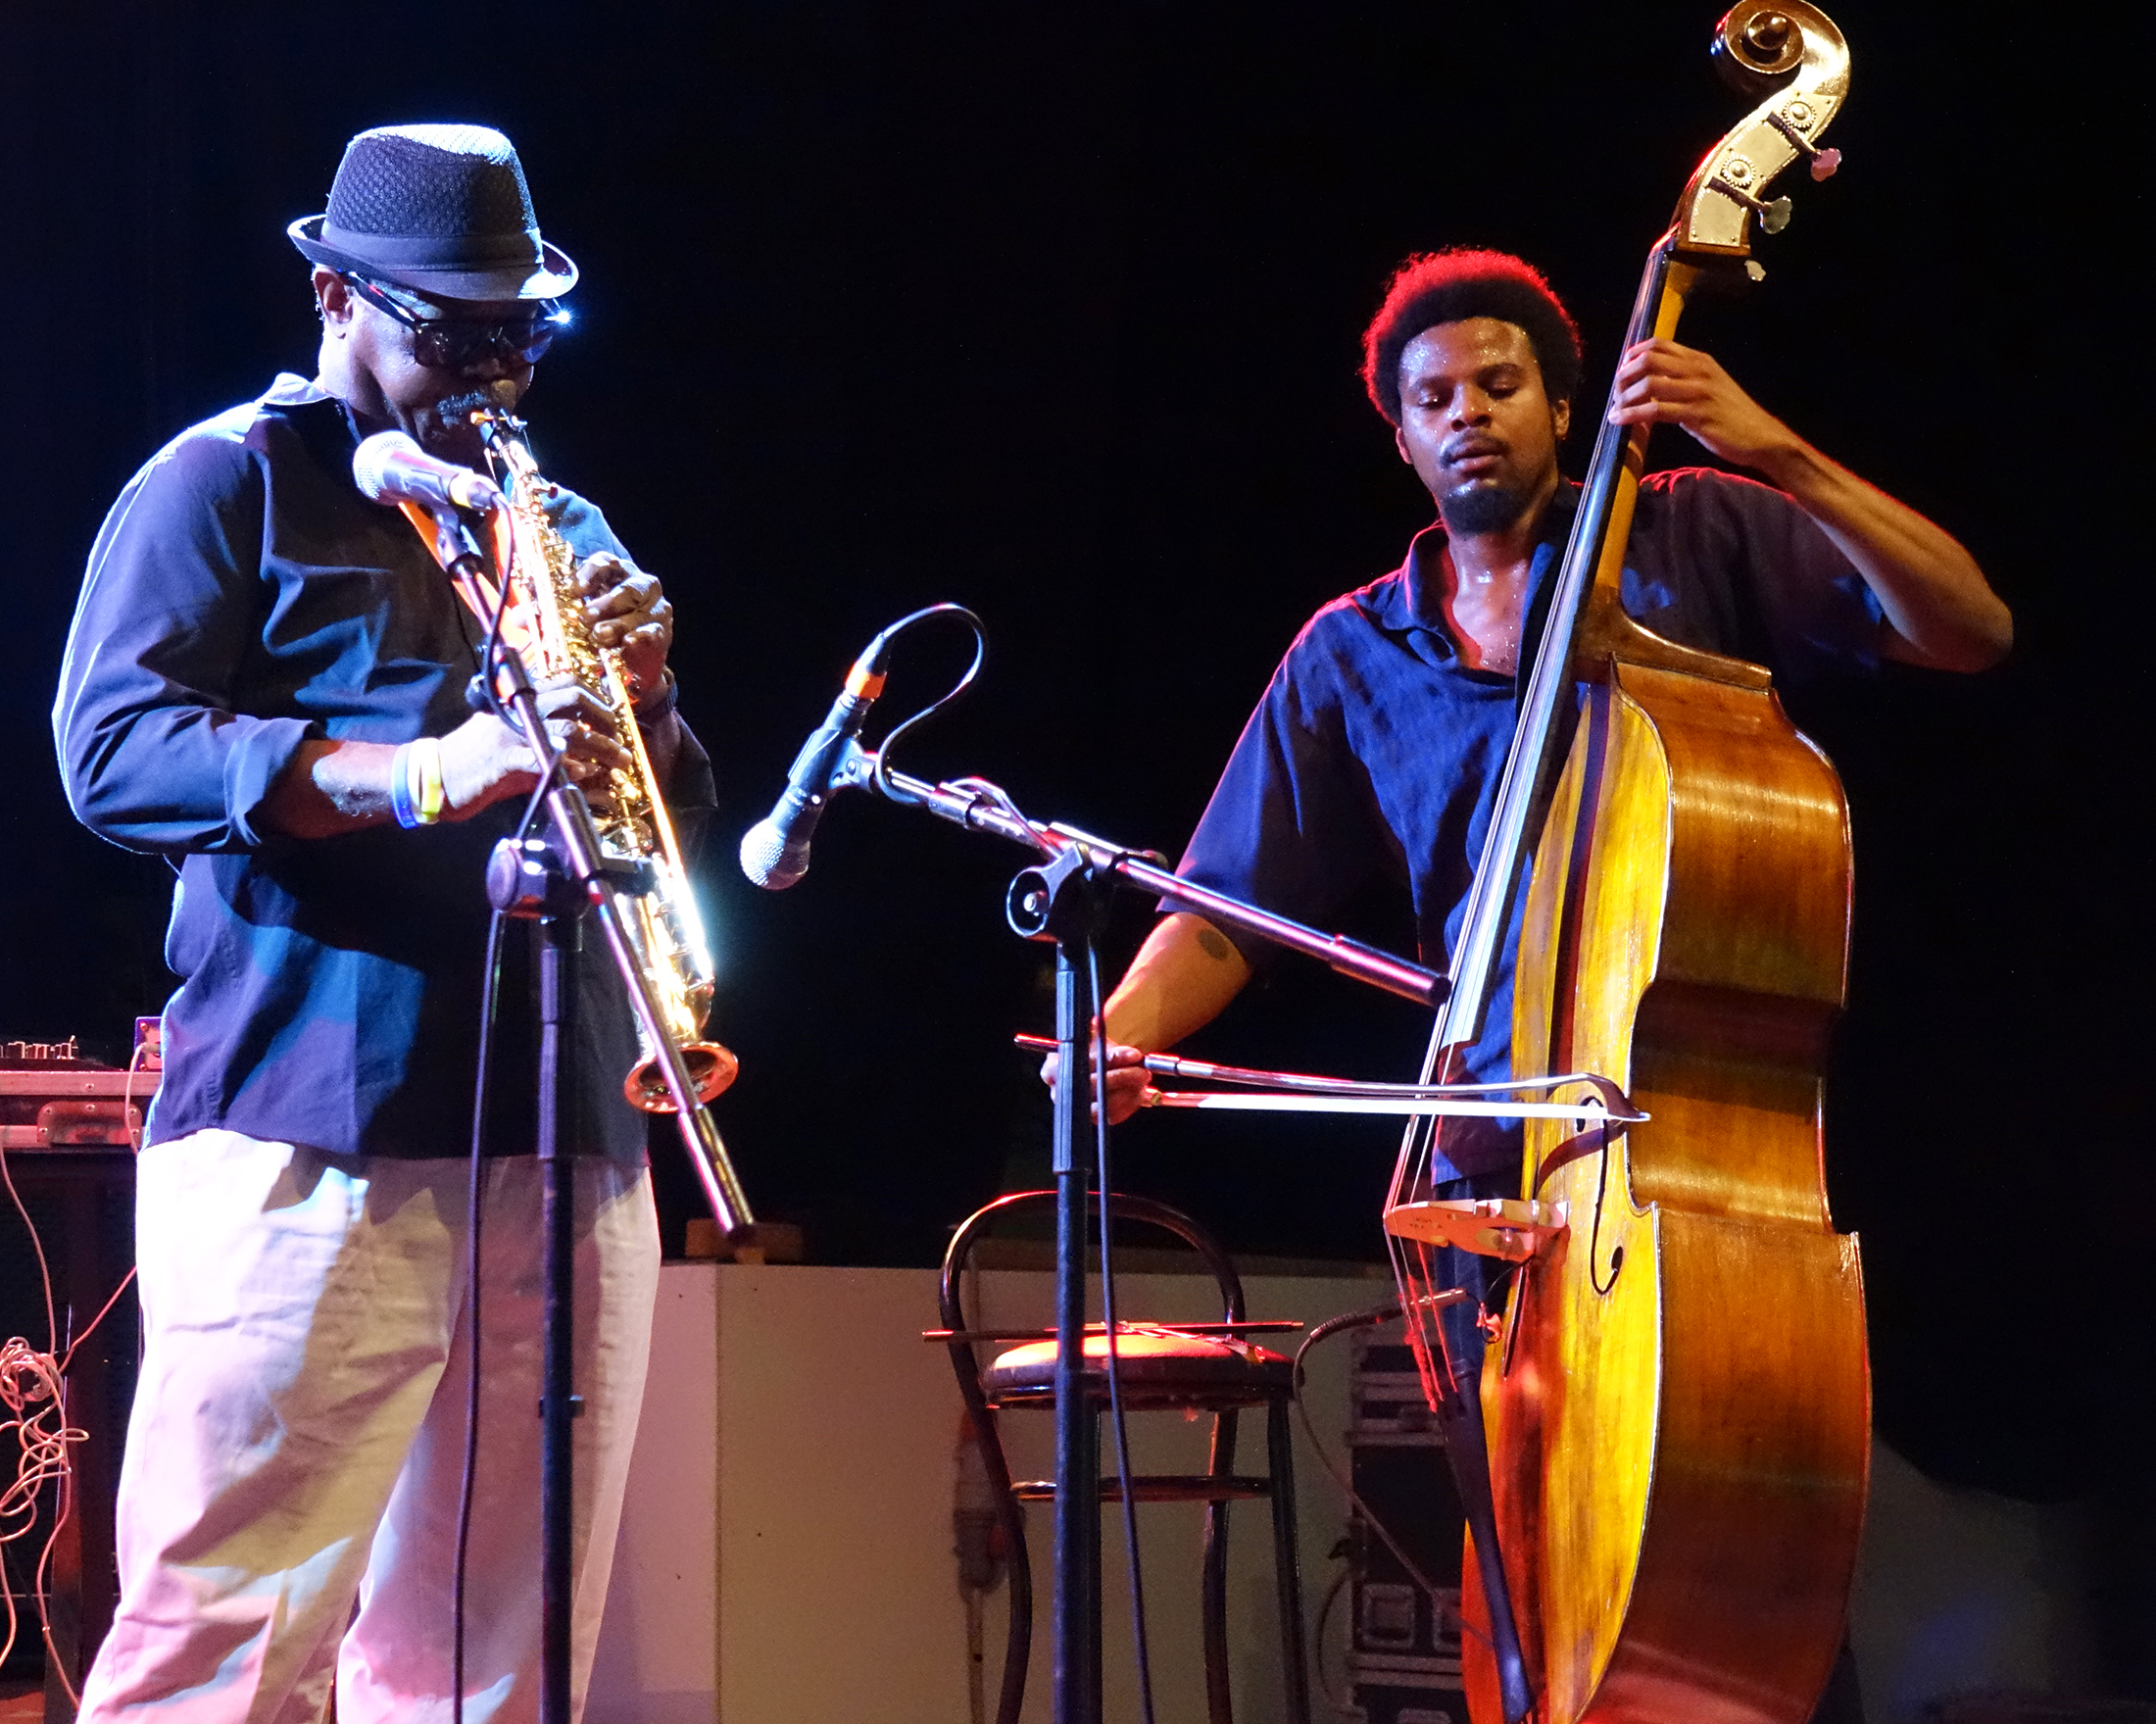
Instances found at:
x=427 y=771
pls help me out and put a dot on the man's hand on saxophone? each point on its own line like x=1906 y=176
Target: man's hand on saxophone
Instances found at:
x=484 y=761
x=631 y=616
x=335 y=787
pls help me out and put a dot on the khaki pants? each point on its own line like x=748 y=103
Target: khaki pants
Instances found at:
x=297 y=1438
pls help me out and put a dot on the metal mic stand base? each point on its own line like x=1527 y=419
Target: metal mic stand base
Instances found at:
x=1058 y=901
x=560 y=915
x=1076 y=1606
x=561 y=936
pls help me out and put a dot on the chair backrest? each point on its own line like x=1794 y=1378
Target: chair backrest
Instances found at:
x=1122 y=1208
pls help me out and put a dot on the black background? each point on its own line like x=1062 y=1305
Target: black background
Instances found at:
x=1054 y=310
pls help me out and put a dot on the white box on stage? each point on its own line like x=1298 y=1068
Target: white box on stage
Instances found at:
x=787 y=1553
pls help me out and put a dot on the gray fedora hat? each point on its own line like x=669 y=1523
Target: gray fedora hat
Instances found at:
x=441 y=209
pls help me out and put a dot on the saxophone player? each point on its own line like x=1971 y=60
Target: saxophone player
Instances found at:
x=265 y=684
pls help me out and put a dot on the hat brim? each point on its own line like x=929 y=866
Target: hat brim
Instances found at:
x=554 y=277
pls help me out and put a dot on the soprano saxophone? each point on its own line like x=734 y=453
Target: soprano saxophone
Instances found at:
x=541 y=596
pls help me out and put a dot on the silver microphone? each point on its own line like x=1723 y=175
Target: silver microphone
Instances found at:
x=390 y=468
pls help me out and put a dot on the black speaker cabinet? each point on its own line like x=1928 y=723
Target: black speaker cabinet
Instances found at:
x=69 y=1161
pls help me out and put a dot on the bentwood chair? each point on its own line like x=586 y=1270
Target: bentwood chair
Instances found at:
x=1195 y=1368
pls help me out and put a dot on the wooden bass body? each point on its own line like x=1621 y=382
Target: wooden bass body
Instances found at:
x=1678 y=1404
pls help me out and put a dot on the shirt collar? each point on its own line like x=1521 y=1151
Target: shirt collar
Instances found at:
x=1394 y=602
x=291 y=390
x=325 y=421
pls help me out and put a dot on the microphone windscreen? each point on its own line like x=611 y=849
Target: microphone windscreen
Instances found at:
x=370 y=463
x=391 y=468
x=770 y=861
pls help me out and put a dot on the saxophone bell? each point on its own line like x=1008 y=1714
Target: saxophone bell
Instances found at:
x=711 y=1066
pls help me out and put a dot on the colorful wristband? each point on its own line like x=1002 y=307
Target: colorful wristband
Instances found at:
x=427 y=771
x=400 y=787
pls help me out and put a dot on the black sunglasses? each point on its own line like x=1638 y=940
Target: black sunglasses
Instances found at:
x=456 y=344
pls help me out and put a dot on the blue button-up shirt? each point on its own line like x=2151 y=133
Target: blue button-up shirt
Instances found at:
x=243 y=598
x=1376 y=750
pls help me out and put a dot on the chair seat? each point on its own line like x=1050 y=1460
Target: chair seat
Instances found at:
x=1155 y=1367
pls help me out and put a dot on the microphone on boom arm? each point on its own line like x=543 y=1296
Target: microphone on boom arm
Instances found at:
x=391 y=468
x=775 y=852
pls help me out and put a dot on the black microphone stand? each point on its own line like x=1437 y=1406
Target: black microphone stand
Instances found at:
x=1058 y=899
x=559 y=880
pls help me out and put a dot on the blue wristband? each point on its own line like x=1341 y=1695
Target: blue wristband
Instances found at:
x=400 y=787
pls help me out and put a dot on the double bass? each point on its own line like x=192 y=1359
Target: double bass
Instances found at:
x=1674 y=1400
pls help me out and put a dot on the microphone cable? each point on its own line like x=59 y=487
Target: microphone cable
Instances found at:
x=491 y=656
x=1100 y=1087
x=1375 y=1317
x=881 y=757
x=490 y=980
x=490 y=977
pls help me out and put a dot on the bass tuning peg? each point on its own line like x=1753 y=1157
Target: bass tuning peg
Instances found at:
x=1773 y=218
x=1790 y=123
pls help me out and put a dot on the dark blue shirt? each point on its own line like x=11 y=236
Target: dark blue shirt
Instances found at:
x=243 y=598
x=1376 y=751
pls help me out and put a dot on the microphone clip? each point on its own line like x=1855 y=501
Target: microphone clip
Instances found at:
x=456 y=547
x=1054 y=900
x=854 y=769
x=528 y=878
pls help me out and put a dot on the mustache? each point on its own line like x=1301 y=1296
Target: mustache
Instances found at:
x=457 y=409
x=445 y=427
x=1472 y=443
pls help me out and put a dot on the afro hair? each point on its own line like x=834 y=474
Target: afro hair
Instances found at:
x=1447 y=286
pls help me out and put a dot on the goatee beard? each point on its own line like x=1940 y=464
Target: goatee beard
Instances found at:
x=1482 y=509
